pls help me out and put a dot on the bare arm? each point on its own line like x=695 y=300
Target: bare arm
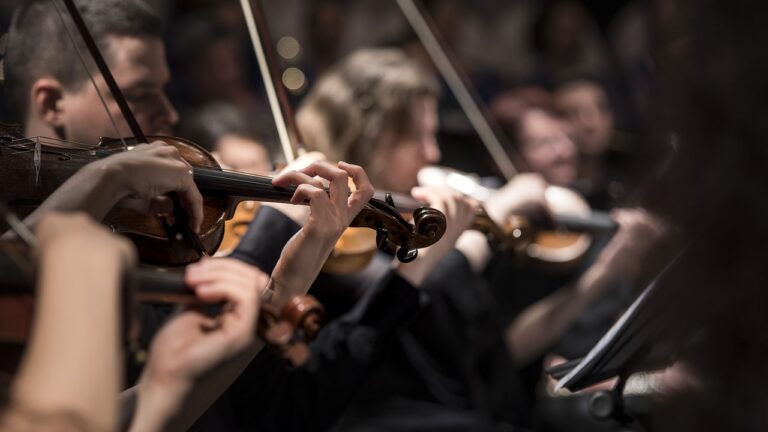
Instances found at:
x=134 y=179
x=543 y=323
x=176 y=389
x=71 y=369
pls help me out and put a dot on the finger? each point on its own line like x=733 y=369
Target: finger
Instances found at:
x=210 y=270
x=304 y=161
x=160 y=205
x=422 y=194
x=223 y=291
x=156 y=144
x=230 y=268
x=296 y=178
x=339 y=187
x=191 y=200
x=363 y=188
x=164 y=149
x=239 y=315
x=317 y=198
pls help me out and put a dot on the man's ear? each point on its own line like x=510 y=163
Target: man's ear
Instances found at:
x=46 y=98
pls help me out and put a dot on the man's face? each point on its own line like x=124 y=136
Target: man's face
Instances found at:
x=585 y=107
x=141 y=72
x=546 y=147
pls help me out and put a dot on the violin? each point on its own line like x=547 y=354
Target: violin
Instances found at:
x=356 y=247
x=557 y=244
x=287 y=331
x=34 y=168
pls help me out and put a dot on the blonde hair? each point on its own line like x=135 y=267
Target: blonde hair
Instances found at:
x=363 y=104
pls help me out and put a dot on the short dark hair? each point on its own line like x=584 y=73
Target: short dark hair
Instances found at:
x=38 y=44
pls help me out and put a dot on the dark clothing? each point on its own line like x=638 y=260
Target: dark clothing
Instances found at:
x=449 y=371
x=271 y=396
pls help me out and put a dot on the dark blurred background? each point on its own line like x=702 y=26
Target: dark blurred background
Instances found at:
x=508 y=48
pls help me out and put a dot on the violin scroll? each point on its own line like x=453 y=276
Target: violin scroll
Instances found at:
x=289 y=331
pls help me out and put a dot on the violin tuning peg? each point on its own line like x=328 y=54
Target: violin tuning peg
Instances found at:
x=296 y=354
x=381 y=238
x=406 y=254
x=389 y=200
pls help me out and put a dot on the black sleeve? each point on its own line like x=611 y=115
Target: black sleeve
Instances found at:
x=270 y=396
x=262 y=244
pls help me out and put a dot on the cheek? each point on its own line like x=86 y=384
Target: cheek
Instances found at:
x=405 y=160
x=537 y=159
x=400 y=169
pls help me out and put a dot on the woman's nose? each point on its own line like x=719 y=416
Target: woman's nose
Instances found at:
x=431 y=150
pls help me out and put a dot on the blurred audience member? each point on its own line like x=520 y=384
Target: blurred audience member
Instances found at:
x=209 y=62
x=237 y=143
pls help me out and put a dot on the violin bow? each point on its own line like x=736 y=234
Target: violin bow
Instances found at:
x=458 y=82
x=22 y=262
x=181 y=225
x=258 y=30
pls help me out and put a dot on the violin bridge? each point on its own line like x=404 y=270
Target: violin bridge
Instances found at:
x=37 y=160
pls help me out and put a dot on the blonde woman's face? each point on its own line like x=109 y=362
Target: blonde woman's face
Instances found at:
x=400 y=164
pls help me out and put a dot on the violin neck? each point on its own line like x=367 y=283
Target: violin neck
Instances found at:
x=596 y=222
x=241 y=187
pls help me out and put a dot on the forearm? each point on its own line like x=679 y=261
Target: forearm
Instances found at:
x=90 y=190
x=74 y=348
x=175 y=407
x=343 y=356
x=301 y=261
x=540 y=325
x=263 y=243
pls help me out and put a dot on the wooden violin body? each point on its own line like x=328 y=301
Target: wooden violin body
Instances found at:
x=551 y=245
x=288 y=330
x=34 y=168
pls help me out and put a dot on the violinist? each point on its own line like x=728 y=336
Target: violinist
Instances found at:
x=349 y=347
x=81 y=265
x=378 y=108
x=51 y=93
x=68 y=350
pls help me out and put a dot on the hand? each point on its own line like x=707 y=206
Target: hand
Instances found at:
x=525 y=193
x=638 y=232
x=149 y=171
x=330 y=214
x=459 y=213
x=192 y=344
x=459 y=210
x=304 y=161
x=299 y=214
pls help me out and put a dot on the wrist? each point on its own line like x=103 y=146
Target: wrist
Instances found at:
x=474 y=246
x=110 y=175
x=158 y=403
x=297 y=213
x=300 y=262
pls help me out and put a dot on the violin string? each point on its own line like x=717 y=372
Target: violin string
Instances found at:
x=90 y=75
